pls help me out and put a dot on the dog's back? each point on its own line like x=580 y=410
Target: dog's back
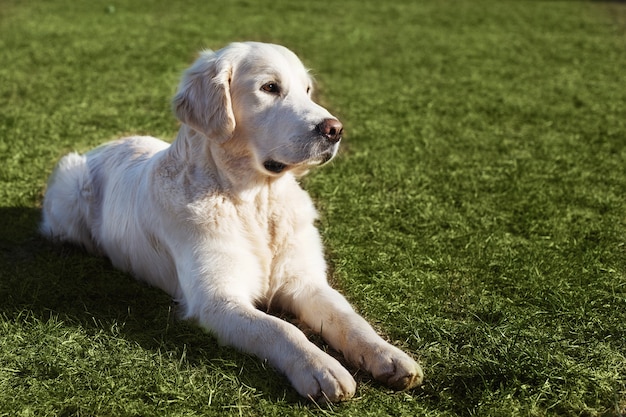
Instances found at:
x=96 y=201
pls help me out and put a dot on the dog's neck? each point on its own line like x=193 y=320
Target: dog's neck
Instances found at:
x=229 y=164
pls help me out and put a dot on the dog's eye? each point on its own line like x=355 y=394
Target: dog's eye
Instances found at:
x=271 y=87
x=308 y=90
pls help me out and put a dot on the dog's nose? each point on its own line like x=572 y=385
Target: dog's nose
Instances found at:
x=332 y=129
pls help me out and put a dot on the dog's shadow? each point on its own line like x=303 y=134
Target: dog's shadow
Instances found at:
x=47 y=280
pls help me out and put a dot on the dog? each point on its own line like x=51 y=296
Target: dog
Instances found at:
x=218 y=220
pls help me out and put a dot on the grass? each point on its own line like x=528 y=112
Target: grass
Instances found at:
x=476 y=216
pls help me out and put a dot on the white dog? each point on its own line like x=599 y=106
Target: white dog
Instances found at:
x=219 y=221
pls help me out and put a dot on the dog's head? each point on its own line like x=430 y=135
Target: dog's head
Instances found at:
x=259 y=95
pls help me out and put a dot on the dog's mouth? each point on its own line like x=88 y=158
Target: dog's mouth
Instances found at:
x=326 y=157
x=274 y=166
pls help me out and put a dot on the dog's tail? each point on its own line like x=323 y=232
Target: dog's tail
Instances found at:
x=67 y=203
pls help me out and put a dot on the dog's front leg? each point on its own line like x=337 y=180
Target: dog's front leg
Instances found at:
x=329 y=313
x=225 y=309
x=313 y=373
x=307 y=294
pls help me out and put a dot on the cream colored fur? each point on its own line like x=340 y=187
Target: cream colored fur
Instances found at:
x=219 y=221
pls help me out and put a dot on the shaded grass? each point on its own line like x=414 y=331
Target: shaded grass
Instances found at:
x=476 y=215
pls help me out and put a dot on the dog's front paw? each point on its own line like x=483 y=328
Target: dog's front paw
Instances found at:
x=393 y=367
x=323 y=379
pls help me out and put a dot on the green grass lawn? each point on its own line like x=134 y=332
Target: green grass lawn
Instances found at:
x=476 y=215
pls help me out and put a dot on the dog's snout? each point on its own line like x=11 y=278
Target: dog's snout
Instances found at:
x=332 y=129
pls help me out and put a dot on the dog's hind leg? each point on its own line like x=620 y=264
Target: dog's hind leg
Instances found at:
x=66 y=205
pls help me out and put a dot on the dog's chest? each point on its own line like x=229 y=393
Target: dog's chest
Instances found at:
x=273 y=222
x=268 y=225
x=257 y=232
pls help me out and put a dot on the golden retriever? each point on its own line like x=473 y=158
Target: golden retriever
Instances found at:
x=217 y=219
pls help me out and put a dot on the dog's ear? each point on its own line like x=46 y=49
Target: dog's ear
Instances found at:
x=203 y=99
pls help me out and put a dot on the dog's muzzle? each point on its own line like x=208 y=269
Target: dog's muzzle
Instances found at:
x=328 y=132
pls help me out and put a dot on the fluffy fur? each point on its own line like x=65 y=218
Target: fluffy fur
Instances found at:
x=218 y=220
